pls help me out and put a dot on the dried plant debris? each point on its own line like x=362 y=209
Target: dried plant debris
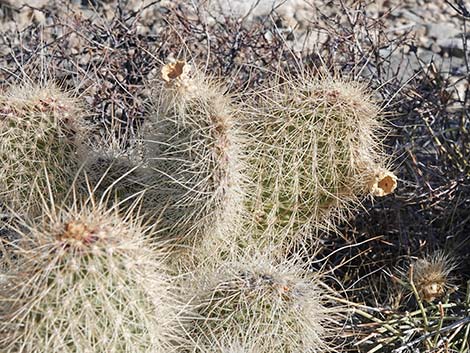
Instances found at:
x=427 y=311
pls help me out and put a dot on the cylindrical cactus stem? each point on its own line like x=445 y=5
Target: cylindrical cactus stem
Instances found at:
x=229 y=344
x=87 y=280
x=41 y=129
x=276 y=306
x=316 y=149
x=192 y=147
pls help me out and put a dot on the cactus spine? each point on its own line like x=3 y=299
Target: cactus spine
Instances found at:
x=230 y=345
x=114 y=171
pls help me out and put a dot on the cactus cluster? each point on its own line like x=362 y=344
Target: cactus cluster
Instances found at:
x=94 y=271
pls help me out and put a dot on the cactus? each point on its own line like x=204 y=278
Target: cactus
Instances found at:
x=192 y=147
x=430 y=275
x=87 y=280
x=276 y=305
x=229 y=345
x=237 y=348
x=315 y=150
x=41 y=129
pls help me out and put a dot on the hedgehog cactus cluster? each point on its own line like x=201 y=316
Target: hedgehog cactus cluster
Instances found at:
x=95 y=270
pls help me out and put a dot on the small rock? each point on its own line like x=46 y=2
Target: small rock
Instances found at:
x=461 y=86
x=268 y=36
x=441 y=31
x=429 y=56
x=435 y=48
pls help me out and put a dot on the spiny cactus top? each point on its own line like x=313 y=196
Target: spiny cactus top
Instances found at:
x=193 y=148
x=275 y=306
x=430 y=275
x=86 y=280
x=41 y=129
x=315 y=150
